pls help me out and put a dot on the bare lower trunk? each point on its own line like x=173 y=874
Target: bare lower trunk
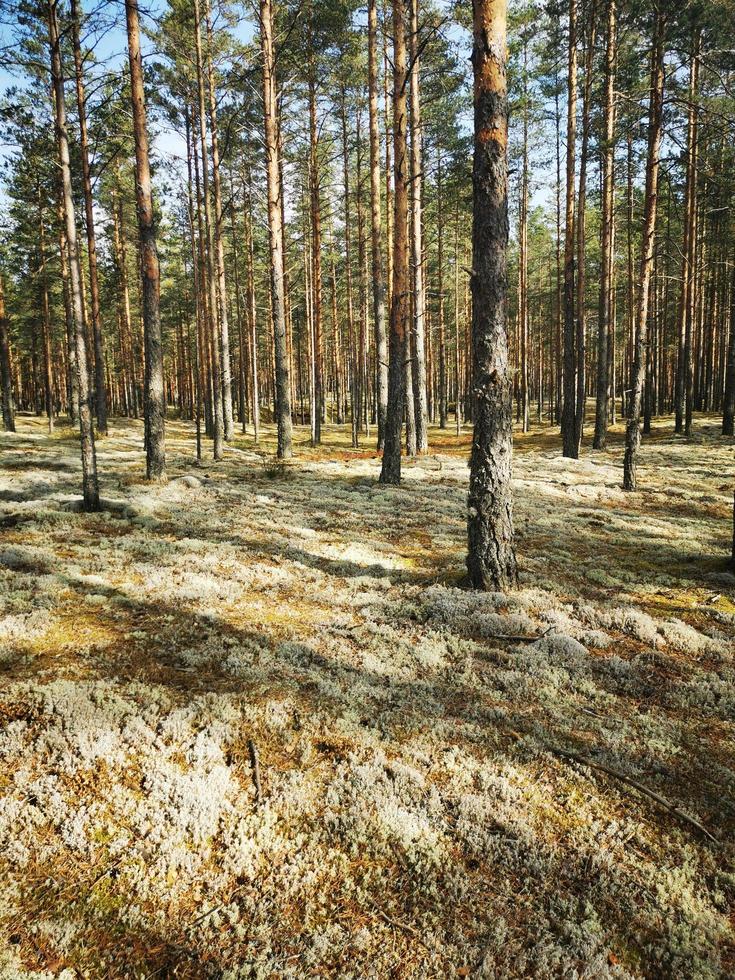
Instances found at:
x=491 y=560
x=655 y=115
x=90 y=484
x=155 y=395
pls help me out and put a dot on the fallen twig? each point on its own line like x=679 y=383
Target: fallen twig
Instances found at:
x=651 y=794
x=396 y=923
x=255 y=765
x=520 y=639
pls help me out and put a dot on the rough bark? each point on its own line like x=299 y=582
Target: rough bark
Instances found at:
x=154 y=396
x=400 y=307
x=90 y=485
x=655 y=124
x=491 y=560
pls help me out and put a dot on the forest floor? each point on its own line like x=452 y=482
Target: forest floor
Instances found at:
x=418 y=815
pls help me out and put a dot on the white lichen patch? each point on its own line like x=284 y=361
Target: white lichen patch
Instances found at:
x=415 y=814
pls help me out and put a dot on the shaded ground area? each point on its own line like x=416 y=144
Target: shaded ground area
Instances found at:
x=418 y=816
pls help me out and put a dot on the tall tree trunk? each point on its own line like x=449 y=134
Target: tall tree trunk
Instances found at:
x=686 y=301
x=253 y=314
x=457 y=329
x=605 y=324
x=418 y=334
x=523 y=248
x=48 y=379
x=381 y=345
x=655 y=125
x=155 y=395
x=442 y=392
x=90 y=485
x=728 y=415
x=569 y=408
x=222 y=350
x=100 y=391
x=275 y=231
x=6 y=374
x=316 y=256
x=210 y=272
x=692 y=296
x=581 y=284
x=491 y=560
x=400 y=305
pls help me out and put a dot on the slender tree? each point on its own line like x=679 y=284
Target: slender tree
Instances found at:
x=6 y=374
x=400 y=305
x=100 y=390
x=605 y=325
x=655 y=124
x=569 y=407
x=155 y=395
x=376 y=238
x=275 y=230
x=90 y=484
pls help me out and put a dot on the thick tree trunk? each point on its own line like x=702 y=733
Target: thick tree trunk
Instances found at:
x=155 y=395
x=655 y=125
x=90 y=485
x=400 y=305
x=418 y=335
x=569 y=408
x=605 y=324
x=100 y=392
x=6 y=374
x=491 y=560
x=275 y=230
x=381 y=344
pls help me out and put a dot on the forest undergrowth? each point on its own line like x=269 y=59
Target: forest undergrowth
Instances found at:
x=419 y=807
